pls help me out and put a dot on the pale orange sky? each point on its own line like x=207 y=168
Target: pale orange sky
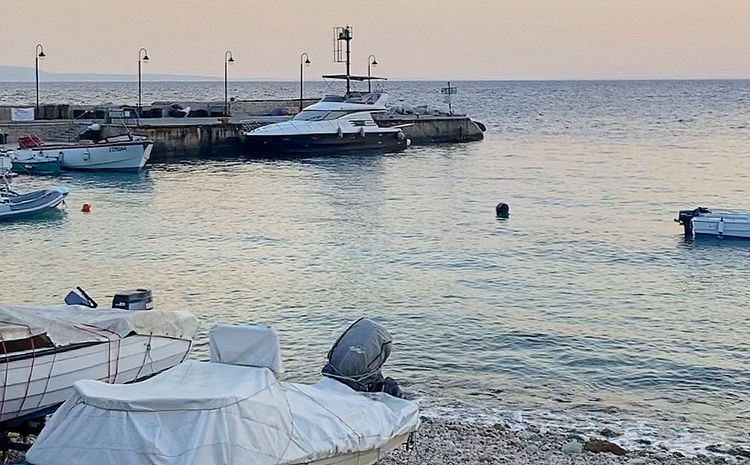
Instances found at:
x=413 y=39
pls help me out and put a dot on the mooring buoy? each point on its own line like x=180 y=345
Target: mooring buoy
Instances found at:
x=502 y=210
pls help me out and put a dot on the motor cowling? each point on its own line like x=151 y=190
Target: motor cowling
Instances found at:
x=357 y=357
x=685 y=218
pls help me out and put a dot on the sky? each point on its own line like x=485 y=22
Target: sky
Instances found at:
x=414 y=39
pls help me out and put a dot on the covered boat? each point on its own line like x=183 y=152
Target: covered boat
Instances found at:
x=45 y=349
x=122 y=153
x=705 y=221
x=14 y=205
x=232 y=410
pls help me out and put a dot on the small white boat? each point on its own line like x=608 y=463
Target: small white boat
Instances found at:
x=122 y=153
x=704 y=221
x=232 y=410
x=14 y=205
x=44 y=350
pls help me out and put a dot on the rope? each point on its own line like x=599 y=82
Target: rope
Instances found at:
x=147 y=354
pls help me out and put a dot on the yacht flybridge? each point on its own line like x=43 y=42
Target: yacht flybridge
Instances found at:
x=335 y=124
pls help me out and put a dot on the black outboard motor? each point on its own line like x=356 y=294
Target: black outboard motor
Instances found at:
x=685 y=218
x=358 y=356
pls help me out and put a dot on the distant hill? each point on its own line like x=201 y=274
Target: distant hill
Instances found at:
x=10 y=73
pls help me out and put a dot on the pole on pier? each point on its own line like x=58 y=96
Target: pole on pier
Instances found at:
x=228 y=60
x=304 y=60
x=39 y=55
x=142 y=58
x=371 y=60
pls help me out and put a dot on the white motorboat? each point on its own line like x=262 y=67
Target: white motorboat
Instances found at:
x=122 y=153
x=231 y=410
x=44 y=350
x=704 y=221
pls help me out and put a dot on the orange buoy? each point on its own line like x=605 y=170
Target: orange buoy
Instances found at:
x=86 y=208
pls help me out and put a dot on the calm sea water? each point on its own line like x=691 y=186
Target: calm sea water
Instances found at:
x=585 y=308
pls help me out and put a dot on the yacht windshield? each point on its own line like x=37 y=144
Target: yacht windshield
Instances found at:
x=311 y=115
x=320 y=115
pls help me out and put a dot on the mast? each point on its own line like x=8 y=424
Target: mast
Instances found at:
x=345 y=34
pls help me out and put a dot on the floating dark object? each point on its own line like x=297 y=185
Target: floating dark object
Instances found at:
x=502 y=210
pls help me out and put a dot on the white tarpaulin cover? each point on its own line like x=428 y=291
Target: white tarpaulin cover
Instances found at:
x=71 y=324
x=206 y=413
x=249 y=345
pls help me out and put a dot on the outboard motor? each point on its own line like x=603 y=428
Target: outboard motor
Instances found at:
x=685 y=218
x=80 y=298
x=139 y=299
x=358 y=355
x=93 y=132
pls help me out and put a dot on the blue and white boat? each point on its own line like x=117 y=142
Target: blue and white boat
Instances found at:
x=14 y=205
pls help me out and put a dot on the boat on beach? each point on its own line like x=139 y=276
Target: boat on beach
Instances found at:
x=722 y=223
x=232 y=410
x=121 y=153
x=44 y=350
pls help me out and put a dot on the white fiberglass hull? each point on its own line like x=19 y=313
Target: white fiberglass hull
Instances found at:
x=369 y=457
x=39 y=382
x=729 y=224
x=116 y=156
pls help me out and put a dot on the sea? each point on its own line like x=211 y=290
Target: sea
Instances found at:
x=586 y=308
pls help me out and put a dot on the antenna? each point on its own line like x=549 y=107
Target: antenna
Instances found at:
x=343 y=34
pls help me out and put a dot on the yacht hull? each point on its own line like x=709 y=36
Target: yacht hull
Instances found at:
x=301 y=145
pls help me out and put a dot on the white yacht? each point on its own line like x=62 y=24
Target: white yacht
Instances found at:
x=335 y=124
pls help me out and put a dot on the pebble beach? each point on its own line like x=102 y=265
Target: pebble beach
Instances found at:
x=441 y=442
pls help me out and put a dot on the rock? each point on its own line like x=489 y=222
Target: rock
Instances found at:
x=526 y=435
x=638 y=461
x=610 y=433
x=572 y=447
x=599 y=446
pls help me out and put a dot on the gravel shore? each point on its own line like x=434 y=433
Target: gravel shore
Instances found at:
x=445 y=442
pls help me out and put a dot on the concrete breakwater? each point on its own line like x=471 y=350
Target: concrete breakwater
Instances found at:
x=207 y=135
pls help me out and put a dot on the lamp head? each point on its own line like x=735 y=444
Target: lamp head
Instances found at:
x=307 y=62
x=42 y=55
x=231 y=60
x=374 y=62
x=145 y=59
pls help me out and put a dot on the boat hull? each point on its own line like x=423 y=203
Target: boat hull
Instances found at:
x=720 y=226
x=302 y=145
x=37 y=383
x=119 y=156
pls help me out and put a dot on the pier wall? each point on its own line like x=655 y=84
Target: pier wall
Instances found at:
x=186 y=141
x=435 y=129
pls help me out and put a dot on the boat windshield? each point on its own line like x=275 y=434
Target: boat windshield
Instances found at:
x=321 y=115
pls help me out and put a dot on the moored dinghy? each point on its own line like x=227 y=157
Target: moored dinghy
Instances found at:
x=231 y=410
x=14 y=205
x=45 y=349
x=723 y=223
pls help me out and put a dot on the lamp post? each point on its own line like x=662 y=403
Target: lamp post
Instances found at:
x=142 y=58
x=228 y=60
x=304 y=60
x=370 y=61
x=39 y=52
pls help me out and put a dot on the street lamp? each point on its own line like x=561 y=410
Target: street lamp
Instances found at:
x=39 y=52
x=304 y=60
x=370 y=61
x=228 y=60
x=141 y=59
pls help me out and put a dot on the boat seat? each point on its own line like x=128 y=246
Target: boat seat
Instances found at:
x=246 y=345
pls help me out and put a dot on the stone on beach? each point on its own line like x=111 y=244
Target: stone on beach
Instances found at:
x=598 y=446
x=572 y=447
